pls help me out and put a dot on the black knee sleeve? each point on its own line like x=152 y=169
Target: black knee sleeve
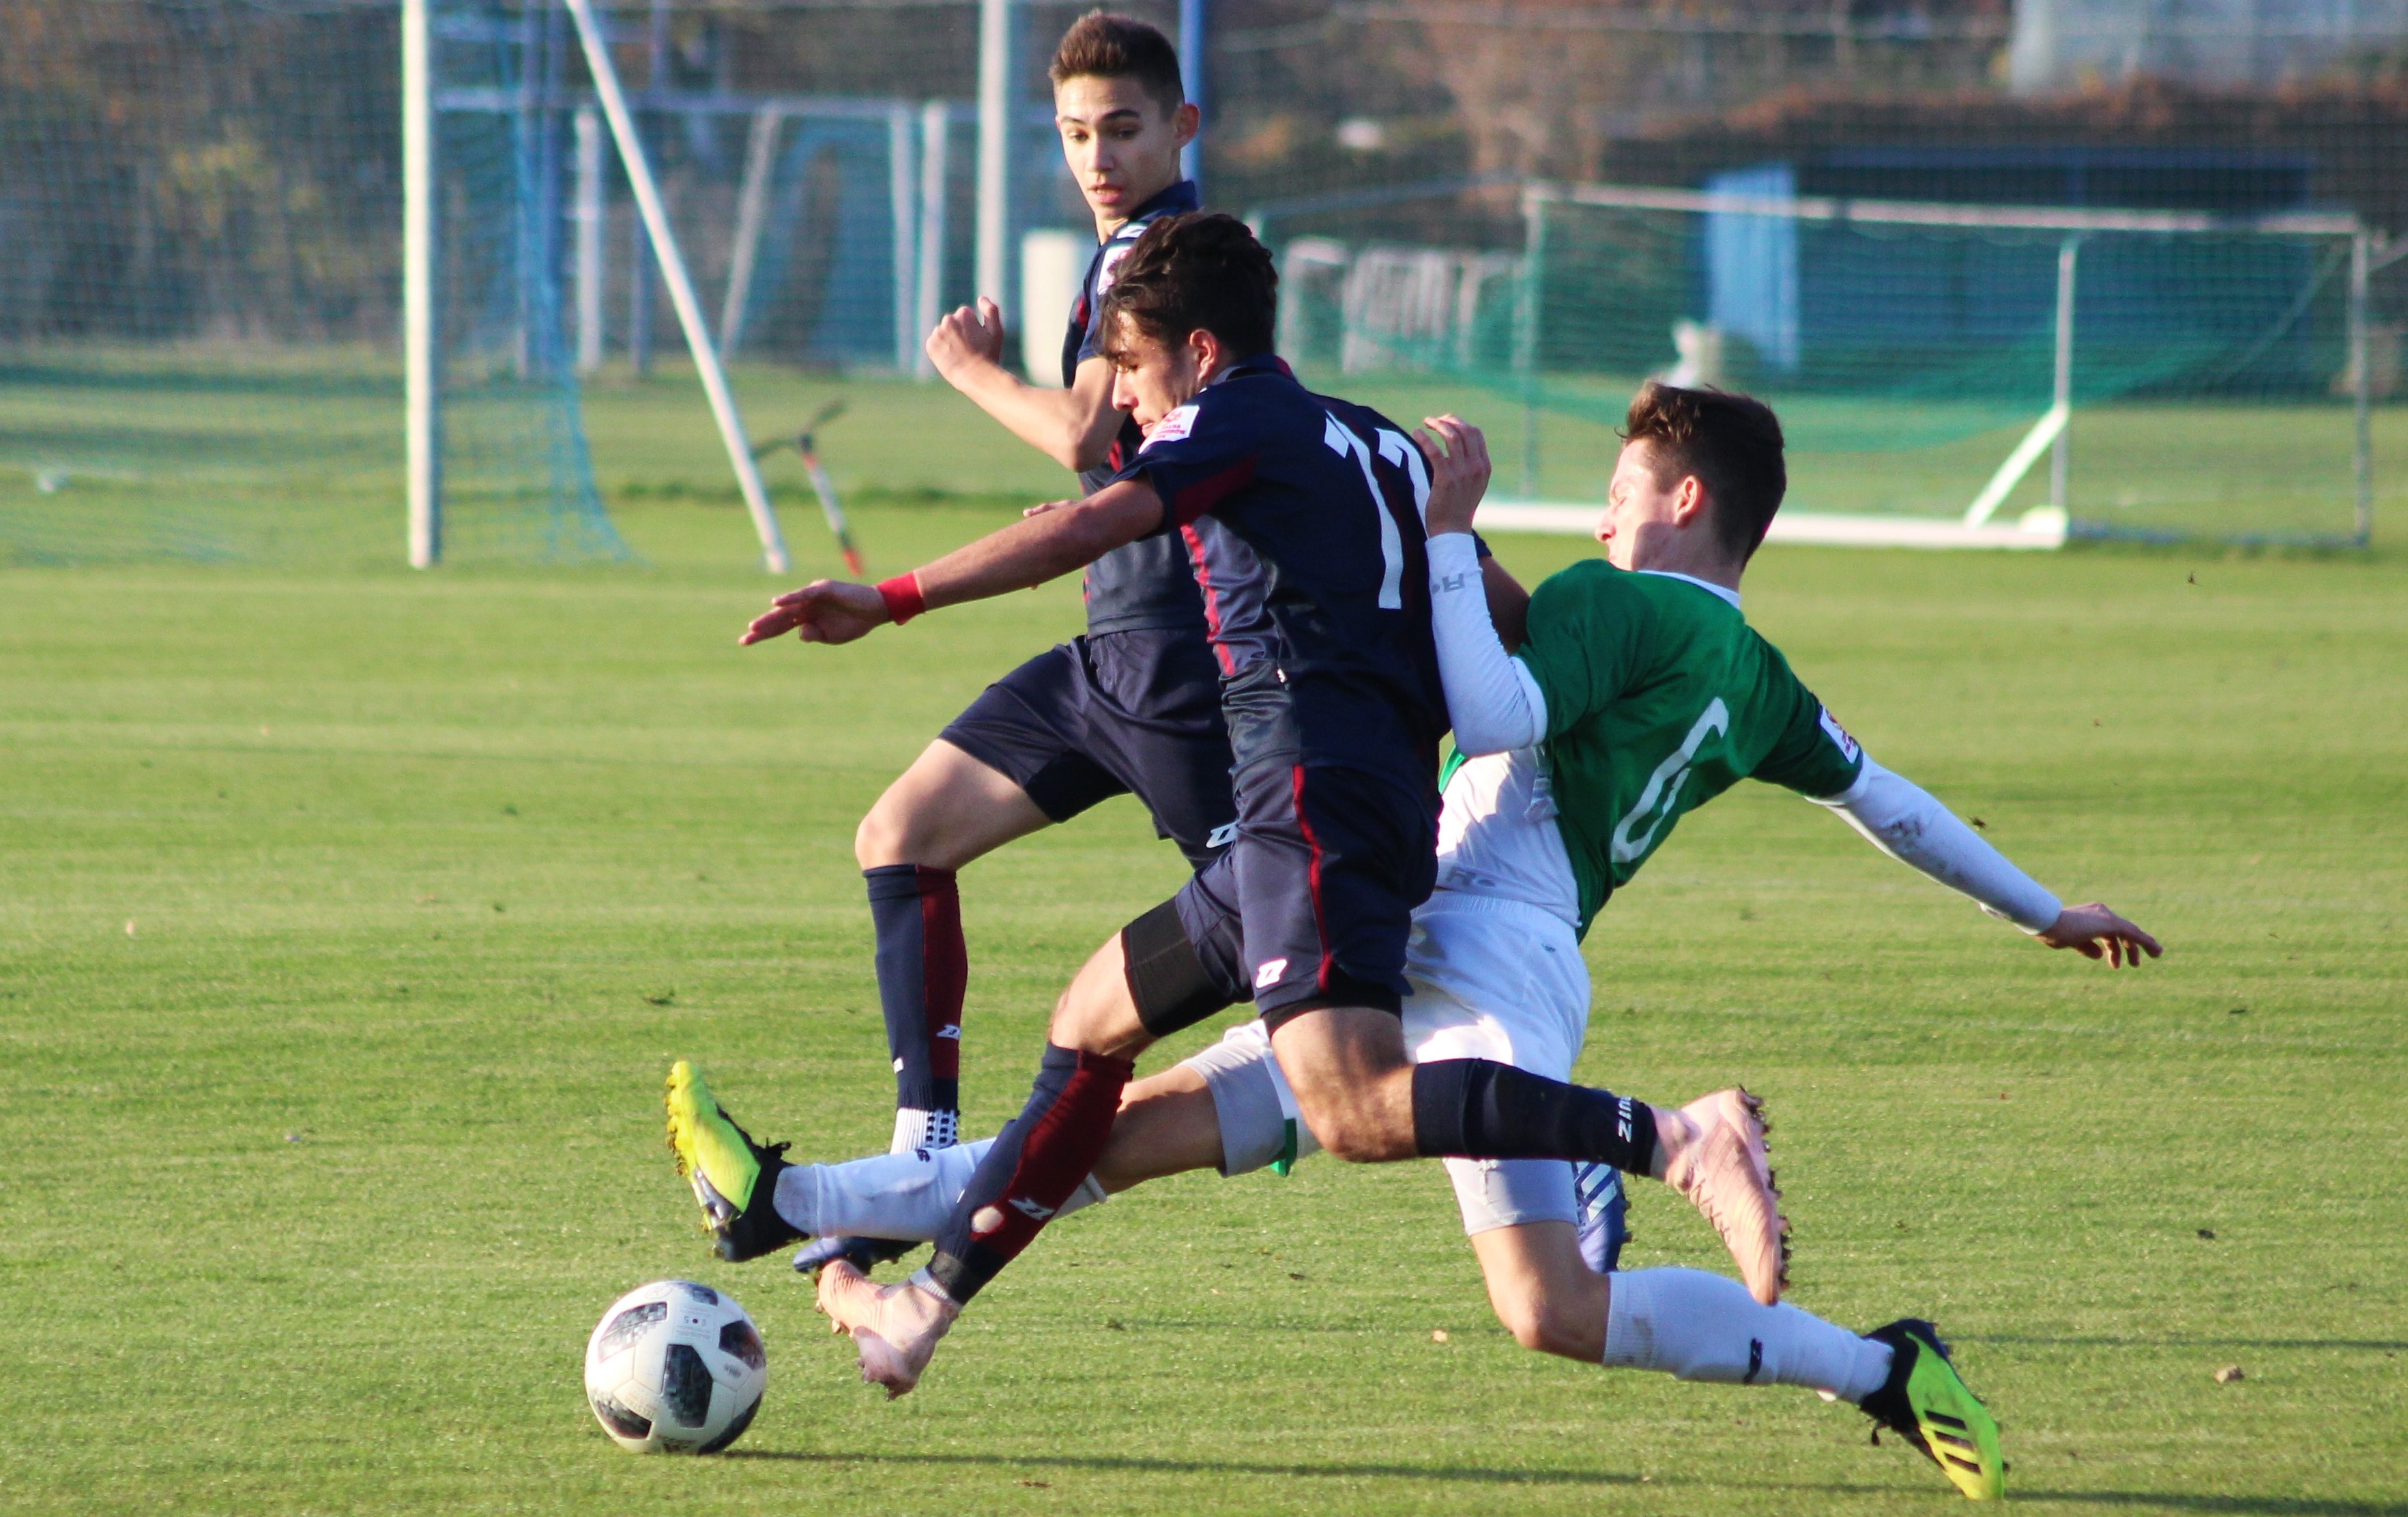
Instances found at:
x=1166 y=978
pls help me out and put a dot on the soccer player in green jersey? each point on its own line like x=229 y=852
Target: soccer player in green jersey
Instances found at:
x=1640 y=693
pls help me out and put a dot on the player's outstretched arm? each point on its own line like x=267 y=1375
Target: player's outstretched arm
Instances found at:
x=1039 y=547
x=1073 y=427
x=1910 y=824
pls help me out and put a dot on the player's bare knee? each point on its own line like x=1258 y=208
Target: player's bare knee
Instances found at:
x=884 y=836
x=1527 y=1321
x=1355 y=1130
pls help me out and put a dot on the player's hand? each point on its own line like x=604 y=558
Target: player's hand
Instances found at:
x=1458 y=457
x=968 y=336
x=2096 y=933
x=823 y=611
x=1042 y=508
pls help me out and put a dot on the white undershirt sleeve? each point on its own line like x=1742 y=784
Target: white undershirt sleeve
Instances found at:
x=1905 y=822
x=1495 y=704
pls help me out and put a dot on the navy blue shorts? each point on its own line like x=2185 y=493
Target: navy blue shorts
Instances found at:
x=1313 y=905
x=1122 y=713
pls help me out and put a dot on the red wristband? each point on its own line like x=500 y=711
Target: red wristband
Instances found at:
x=902 y=597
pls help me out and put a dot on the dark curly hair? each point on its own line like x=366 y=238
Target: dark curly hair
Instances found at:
x=1199 y=271
x=1732 y=444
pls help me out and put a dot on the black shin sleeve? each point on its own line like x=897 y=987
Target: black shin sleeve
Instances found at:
x=1475 y=1109
x=1166 y=978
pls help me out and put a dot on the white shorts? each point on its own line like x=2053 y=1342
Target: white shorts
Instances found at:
x=1490 y=980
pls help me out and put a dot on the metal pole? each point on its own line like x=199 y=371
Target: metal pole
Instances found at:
x=549 y=178
x=681 y=295
x=902 y=194
x=1525 y=333
x=2361 y=365
x=929 y=297
x=420 y=355
x=589 y=217
x=1191 y=70
x=2060 y=458
x=752 y=214
x=995 y=155
x=642 y=270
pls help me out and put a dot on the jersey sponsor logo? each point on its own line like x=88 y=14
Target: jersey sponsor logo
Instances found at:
x=1661 y=799
x=1222 y=836
x=1270 y=973
x=1849 y=746
x=1171 y=428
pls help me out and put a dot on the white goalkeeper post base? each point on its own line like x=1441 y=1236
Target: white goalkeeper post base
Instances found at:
x=681 y=293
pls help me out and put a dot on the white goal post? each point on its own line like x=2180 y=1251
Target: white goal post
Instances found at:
x=2045 y=526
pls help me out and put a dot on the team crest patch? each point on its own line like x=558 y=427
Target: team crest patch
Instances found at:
x=1171 y=428
x=1848 y=746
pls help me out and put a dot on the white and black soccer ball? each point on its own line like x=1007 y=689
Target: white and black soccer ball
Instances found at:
x=675 y=1367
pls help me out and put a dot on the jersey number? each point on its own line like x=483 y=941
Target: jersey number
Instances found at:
x=1396 y=449
x=1659 y=801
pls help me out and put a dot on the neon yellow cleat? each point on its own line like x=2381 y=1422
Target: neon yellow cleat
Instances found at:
x=1925 y=1400
x=733 y=1177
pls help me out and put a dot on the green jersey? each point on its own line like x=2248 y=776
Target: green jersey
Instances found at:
x=1659 y=697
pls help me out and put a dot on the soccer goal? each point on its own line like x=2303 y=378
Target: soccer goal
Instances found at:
x=1948 y=375
x=818 y=223
x=304 y=283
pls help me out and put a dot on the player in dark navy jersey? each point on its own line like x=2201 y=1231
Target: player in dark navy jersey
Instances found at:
x=1133 y=705
x=1330 y=691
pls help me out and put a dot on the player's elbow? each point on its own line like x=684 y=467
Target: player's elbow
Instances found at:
x=1082 y=452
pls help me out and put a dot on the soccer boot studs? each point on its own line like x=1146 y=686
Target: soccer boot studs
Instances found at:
x=1716 y=1158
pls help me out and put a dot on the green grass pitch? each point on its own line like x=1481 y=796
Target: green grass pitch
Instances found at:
x=348 y=921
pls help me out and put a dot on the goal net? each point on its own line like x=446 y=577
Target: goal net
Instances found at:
x=2017 y=372
x=200 y=224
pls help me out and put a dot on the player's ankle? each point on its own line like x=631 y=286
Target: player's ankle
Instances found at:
x=1675 y=1132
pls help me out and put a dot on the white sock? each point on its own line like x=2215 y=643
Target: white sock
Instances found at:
x=1706 y=1328
x=904 y=1196
x=914 y=1128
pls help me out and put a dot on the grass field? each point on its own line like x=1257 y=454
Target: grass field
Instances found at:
x=227 y=454
x=348 y=921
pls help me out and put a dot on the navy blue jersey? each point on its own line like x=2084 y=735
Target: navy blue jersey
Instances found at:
x=1301 y=516
x=1146 y=584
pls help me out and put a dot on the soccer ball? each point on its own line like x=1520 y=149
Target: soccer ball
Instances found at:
x=675 y=1367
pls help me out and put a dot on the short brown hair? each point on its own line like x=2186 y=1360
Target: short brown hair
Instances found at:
x=1199 y=271
x=1101 y=45
x=1731 y=443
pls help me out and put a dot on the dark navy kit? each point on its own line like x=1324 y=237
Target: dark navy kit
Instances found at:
x=1301 y=518
x=1133 y=706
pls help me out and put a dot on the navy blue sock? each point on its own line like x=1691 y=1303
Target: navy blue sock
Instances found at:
x=923 y=972
x=1476 y=1109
